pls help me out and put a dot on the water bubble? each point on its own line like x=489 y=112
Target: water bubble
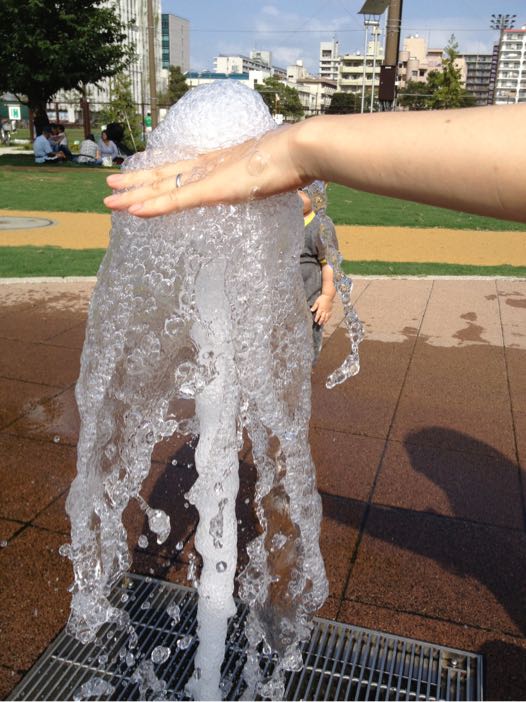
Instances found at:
x=257 y=163
x=103 y=658
x=179 y=545
x=65 y=550
x=3 y=543
x=125 y=597
x=146 y=604
x=130 y=659
x=142 y=541
x=56 y=439
x=184 y=642
x=174 y=461
x=174 y=611
x=221 y=566
x=160 y=654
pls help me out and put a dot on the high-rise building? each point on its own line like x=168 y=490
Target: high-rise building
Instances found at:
x=238 y=63
x=175 y=42
x=478 y=77
x=329 y=59
x=510 y=84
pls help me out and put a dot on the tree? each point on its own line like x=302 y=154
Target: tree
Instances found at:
x=344 y=104
x=47 y=46
x=122 y=109
x=414 y=96
x=280 y=98
x=446 y=86
x=177 y=87
x=443 y=88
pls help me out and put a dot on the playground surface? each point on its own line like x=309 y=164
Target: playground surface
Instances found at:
x=421 y=466
x=74 y=230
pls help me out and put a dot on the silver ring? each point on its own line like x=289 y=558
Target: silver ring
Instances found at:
x=178 y=179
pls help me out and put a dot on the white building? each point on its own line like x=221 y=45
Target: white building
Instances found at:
x=238 y=63
x=329 y=59
x=315 y=93
x=175 y=42
x=510 y=86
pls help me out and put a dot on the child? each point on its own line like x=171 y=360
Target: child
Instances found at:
x=316 y=273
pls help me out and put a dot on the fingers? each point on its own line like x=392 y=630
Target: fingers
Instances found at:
x=131 y=179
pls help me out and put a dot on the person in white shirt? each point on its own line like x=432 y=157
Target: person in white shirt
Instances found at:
x=43 y=149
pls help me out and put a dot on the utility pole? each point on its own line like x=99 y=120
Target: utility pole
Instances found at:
x=151 y=64
x=389 y=70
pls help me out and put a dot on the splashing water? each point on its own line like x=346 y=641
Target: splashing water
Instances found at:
x=205 y=305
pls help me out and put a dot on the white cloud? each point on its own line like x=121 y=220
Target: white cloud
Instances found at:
x=270 y=10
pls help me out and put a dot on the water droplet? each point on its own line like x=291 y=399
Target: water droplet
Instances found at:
x=3 y=543
x=142 y=541
x=130 y=659
x=186 y=505
x=65 y=550
x=174 y=611
x=174 y=461
x=221 y=567
x=184 y=642
x=56 y=439
x=125 y=597
x=103 y=658
x=179 y=545
x=146 y=604
x=160 y=654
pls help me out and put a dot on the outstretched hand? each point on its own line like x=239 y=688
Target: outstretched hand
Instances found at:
x=255 y=169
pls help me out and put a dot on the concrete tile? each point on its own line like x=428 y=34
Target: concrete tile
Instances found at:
x=503 y=655
x=32 y=474
x=439 y=567
x=54 y=516
x=37 y=324
x=339 y=532
x=516 y=360
x=38 y=363
x=463 y=313
x=8 y=528
x=357 y=406
x=329 y=609
x=474 y=374
x=512 y=298
x=35 y=601
x=429 y=420
x=72 y=338
x=458 y=483
x=345 y=464
x=18 y=397
x=51 y=420
x=8 y=679
x=392 y=310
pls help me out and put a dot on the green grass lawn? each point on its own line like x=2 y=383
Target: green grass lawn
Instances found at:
x=75 y=188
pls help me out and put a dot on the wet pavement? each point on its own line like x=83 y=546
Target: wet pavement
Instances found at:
x=418 y=458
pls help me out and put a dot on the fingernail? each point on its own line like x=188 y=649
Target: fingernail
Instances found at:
x=115 y=178
x=108 y=201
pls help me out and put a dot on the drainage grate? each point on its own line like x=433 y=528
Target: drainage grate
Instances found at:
x=341 y=662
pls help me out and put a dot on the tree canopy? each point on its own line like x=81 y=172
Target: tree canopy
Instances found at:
x=280 y=98
x=442 y=89
x=47 y=46
x=344 y=104
x=177 y=87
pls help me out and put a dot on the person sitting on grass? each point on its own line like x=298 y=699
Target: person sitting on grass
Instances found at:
x=44 y=151
x=89 y=153
x=108 y=149
x=59 y=140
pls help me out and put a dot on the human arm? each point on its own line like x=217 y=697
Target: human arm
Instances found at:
x=472 y=160
x=322 y=306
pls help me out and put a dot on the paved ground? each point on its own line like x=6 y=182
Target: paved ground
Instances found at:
x=358 y=243
x=418 y=464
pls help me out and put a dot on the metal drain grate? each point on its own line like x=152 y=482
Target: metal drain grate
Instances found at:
x=341 y=662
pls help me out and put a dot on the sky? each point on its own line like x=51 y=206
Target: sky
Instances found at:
x=293 y=30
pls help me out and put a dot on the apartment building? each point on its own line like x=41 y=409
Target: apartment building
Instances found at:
x=357 y=69
x=329 y=59
x=510 y=81
x=478 y=77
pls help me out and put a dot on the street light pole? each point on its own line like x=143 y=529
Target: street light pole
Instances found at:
x=151 y=63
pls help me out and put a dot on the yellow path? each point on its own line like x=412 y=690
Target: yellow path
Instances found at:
x=91 y=231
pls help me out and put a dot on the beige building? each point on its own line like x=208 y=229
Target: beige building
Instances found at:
x=415 y=61
x=329 y=59
x=355 y=67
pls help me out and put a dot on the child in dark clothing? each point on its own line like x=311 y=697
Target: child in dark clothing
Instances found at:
x=318 y=279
